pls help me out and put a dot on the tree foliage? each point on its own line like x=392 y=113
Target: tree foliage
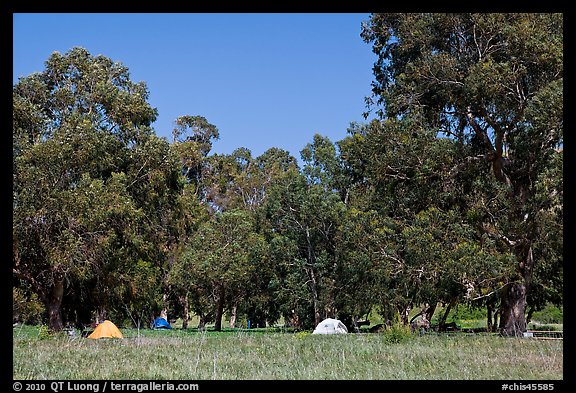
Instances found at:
x=91 y=181
x=492 y=82
x=454 y=195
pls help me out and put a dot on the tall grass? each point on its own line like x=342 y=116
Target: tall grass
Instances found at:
x=178 y=354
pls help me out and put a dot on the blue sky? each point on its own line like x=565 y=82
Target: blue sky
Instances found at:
x=265 y=80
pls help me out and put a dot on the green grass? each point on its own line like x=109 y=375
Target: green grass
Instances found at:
x=549 y=326
x=256 y=355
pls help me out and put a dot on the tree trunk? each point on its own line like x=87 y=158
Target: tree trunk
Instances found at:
x=313 y=283
x=202 y=322
x=355 y=327
x=442 y=323
x=489 y=310
x=496 y=316
x=530 y=314
x=294 y=320
x=164 y=311
x=54 y=306
x=185 y=311
x=100 y=315
x=315 y=302
x=513 y=306
x=405 y=314
x=427 y=314
x=219 y=309
x=233 y=316
x=512 y=319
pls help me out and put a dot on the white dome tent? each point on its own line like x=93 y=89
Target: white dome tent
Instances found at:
x=330 y=326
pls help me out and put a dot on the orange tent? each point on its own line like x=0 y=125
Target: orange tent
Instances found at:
x=106 y=330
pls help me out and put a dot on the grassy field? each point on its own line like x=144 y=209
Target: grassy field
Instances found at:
x=258 y=355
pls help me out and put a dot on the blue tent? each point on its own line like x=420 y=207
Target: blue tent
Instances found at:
x=161 y=323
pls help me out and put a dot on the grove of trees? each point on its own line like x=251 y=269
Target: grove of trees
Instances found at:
x=454 y=195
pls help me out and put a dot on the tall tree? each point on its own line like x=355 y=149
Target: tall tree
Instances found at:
x=87 y=171
x=365 y=269
x=221 y=257
x=493 y=80
x=304 y=213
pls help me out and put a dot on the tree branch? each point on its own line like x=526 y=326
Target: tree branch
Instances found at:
x=489 y=294
x=31 y=280
x=482 y=134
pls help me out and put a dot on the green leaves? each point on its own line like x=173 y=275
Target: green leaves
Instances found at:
x=92 y=185
x=448 y=197
x=492 y=84
x=226 y=252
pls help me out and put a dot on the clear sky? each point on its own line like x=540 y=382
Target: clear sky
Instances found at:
x=265 y=80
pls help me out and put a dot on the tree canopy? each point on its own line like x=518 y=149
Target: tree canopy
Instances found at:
x=493 y=84
x=454 y=195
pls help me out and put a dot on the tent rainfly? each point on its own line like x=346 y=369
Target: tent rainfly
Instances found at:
x=330 y=326
x=106 y=330
x=161 y=323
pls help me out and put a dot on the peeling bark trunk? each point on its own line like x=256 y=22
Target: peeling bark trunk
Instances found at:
x=233 y=316
x=512 y=319
x=513 y=307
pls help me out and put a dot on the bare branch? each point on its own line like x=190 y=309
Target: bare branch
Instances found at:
x=489 y=294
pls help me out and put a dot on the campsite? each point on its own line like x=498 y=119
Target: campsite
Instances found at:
x=288 y=196
x=280 y=353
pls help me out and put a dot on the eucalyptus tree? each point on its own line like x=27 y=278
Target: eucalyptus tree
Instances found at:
x=220 y=260
x=304 y=210
x=249 y=191
x=185 y=207
x=449 y=262
x=420 y=228
x=90 y=180
x=365 y=273
x=237 y=183
x=400 y=167
x=493 y=81
x=234 y=181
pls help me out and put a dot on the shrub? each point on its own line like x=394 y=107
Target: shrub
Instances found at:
x=397 y=332
x=302 y=334
x=43 y=333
